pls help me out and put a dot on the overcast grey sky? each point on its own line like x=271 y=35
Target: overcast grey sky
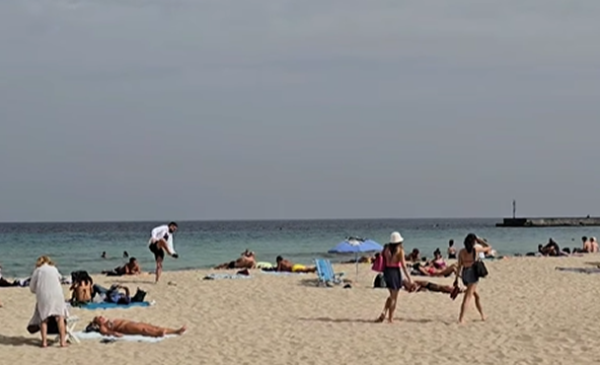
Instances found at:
x=135 y=109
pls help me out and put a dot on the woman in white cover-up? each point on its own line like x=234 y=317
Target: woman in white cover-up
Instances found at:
x=50 y=299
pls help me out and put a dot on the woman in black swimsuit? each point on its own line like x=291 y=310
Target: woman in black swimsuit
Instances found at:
x=466 y=258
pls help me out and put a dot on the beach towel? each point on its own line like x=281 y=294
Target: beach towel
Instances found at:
x=106 y=305
x=98 y=336
x=264 y=265
x=225 y=276
x=282 y=273
x=584 y=270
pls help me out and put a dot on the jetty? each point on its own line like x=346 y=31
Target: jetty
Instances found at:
x=550 y=222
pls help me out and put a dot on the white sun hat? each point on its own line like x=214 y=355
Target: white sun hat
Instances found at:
x=395 y=237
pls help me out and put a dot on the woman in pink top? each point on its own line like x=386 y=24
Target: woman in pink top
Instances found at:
x=393 y=255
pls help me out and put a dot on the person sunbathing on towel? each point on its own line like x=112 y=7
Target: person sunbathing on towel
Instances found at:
x=121 y=327
x=288 y=266
x=130 y=268
x=247 y=260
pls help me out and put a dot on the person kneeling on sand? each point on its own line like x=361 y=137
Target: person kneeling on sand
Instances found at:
x=130 y=268
x=246 y=261
x=121 y=327
x=288 y=266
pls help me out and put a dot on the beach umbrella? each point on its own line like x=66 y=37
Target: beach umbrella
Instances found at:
x=356 y=246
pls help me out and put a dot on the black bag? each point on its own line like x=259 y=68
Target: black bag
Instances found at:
x=379 y=282
x=139 y=296
x=479 y=267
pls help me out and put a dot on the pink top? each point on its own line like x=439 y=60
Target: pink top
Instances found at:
x=387 y=255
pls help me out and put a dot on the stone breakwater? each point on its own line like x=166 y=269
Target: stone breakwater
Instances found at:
x=549 y=222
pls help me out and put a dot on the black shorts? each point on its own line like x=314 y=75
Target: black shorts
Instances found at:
x=158 y=252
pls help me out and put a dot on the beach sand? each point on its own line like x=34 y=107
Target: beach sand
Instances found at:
x=536 y=315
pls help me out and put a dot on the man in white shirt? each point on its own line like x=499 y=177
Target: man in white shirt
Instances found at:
x=161 y=241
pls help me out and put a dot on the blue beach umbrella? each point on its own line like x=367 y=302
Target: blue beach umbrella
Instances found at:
x=356 y=246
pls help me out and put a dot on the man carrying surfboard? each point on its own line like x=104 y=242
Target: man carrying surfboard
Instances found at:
x=161 y=241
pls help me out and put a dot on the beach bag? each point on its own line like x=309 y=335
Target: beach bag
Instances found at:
x=139 y=296
x=479 y=268
x=378 y=264
x=379 y=281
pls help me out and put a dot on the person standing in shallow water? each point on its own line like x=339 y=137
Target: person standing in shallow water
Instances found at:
x=466 y=271
x=393 y=256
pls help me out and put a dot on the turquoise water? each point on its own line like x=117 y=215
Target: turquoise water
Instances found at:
x=78 y=246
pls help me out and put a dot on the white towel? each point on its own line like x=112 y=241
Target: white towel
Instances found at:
x=98 y=336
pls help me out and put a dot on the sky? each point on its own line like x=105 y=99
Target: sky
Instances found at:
x=275 y=109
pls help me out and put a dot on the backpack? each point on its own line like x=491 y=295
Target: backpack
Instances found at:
x=379 y=282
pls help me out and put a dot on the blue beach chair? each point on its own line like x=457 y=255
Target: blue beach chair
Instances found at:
x=326 y=274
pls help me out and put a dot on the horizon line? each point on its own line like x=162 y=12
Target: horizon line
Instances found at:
x=258 y=220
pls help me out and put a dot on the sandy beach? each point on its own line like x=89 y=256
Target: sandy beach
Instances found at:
x=536 y=315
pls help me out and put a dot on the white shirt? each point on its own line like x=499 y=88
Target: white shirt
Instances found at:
x=480 y=247
x=162 y=232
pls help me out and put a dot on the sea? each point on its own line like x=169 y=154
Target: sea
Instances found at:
x=204 y=244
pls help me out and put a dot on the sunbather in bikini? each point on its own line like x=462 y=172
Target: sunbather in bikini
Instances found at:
x=120 y=327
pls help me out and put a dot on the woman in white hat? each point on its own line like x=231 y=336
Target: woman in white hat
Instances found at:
x=393 y=255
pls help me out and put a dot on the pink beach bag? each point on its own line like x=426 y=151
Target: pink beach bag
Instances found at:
x=378 y=264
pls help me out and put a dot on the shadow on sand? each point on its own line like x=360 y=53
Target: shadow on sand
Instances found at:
x=362 y=320
x=314 y=283
x=19 y=341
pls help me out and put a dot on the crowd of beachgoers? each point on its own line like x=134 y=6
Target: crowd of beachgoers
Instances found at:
x=395 y=270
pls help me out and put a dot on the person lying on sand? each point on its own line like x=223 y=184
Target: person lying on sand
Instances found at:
x=422 y=285
x=6 y=283
x=288 y=266
x=118 y=294
x=121 y=327
x=247 y=260
x=362 y=260
x=130 y=268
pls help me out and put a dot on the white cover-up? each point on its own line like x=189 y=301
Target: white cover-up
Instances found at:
x=50 y=299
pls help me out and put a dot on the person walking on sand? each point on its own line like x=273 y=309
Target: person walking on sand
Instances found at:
x=394 y=259
x=161 y=241
x=466 y=258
